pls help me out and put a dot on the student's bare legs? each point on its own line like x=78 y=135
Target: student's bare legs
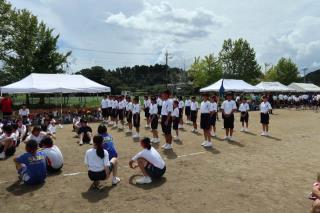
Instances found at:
x=6 y=143
x=168 y=138
x=227 y=132
x=142 y=163
x=316 y=206
x=195 y=126
x=114 y=161
x=267 y=128
x=177 y=133
x=247 y=125
x=137 y=129
x=231 y=132
x=89 y=135
x=155 y=133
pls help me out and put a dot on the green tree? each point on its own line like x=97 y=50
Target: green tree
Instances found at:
x=271 y=75
x=287 y=71
x=205 y=71
x=238 y=61
x=27 y=46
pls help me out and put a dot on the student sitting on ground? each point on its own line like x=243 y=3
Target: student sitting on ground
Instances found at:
x=85 y=133
x=76 y=123
x=36 y=135
x=31 y=166
x=22 y=130
x=149 y=161
x=54 y=158
x=315 y=196
x=99 y=166
x=7 y=142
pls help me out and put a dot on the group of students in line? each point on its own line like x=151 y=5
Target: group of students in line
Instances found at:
x=169 y=111
x=296 y=100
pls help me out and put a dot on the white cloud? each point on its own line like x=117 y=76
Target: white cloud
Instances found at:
x=302 y=43
x=164 y=19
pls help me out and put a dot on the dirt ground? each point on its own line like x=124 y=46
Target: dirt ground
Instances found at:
x=254 y=174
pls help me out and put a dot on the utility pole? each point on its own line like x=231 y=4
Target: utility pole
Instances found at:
x=167 y=55
x=304 y=74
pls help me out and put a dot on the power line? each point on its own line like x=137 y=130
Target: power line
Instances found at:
x=109 y=52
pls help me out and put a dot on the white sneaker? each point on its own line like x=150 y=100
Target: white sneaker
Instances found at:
x=156 y=140
x=180 y=127
x=266 y=134
x=80 y=143
x=263 y=134
x=147 y=126
x=114 y=126
x=242 y=130
x=2 y=155
x=144 y=180
x=226 y=138
x=176 y=138
x=91 y=142
x=230 y=138
x=164 y=145
x=246 y=130
x=204 y=143
x=213 y=134
x=115 y=180
x=208 y=144
x=134 y=135
x=152 y=140
x=129 y=131
x=168 y=146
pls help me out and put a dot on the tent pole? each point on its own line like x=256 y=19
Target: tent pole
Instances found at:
x=61 y=109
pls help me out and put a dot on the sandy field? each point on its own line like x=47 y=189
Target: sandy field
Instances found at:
x=253 y=174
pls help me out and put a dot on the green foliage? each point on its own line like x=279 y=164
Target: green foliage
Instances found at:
x=314 y=77
x=205 y=71
x=285 y=72
x=238 y=61
x=27 y=46
x=143 y=79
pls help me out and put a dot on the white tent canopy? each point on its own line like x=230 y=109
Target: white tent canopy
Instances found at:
x=54 y=83
x=305 y=87
x=231 y=85
x=274 y=87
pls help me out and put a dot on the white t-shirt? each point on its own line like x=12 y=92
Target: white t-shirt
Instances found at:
x=187 y=103
x=52 y=129
x=122 y=104
x=205 y=107
x=104 y=103
x=280 y=97
x=159 y=101
x=152 y=156
x=109 y=103
x=228 y=106
x=24 y=112
x=213 y=107
x=129 y=106
x=181 y=104
x=115 y=104
x=265 y=107
x=175 y=112
x=167 y=107
x=136 y=108
x=147 y=103
x=244 y=107
x=38 y=138
x=54 y=156
x=153 y=109
x=94 y=162
x=22 y=130
x=194 y=106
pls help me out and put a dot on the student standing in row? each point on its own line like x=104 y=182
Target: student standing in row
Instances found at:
x=159 y=104
x=187 y=105
x=244 y=117
x=166 y=119
x=213 y=116
x=265 y=109
x=205 y=109
x=154 y=120
x=181 y=108
x=136 y=116
x=228 y=108
x=175 y=120
x=129 y=108
x=104 y=107
x=194 y=106
x=122 y=105
x=146 y=109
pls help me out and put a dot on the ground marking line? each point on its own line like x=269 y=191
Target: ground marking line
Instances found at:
x=78 y=173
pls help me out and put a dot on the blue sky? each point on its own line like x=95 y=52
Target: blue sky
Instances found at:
x=99 y=32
